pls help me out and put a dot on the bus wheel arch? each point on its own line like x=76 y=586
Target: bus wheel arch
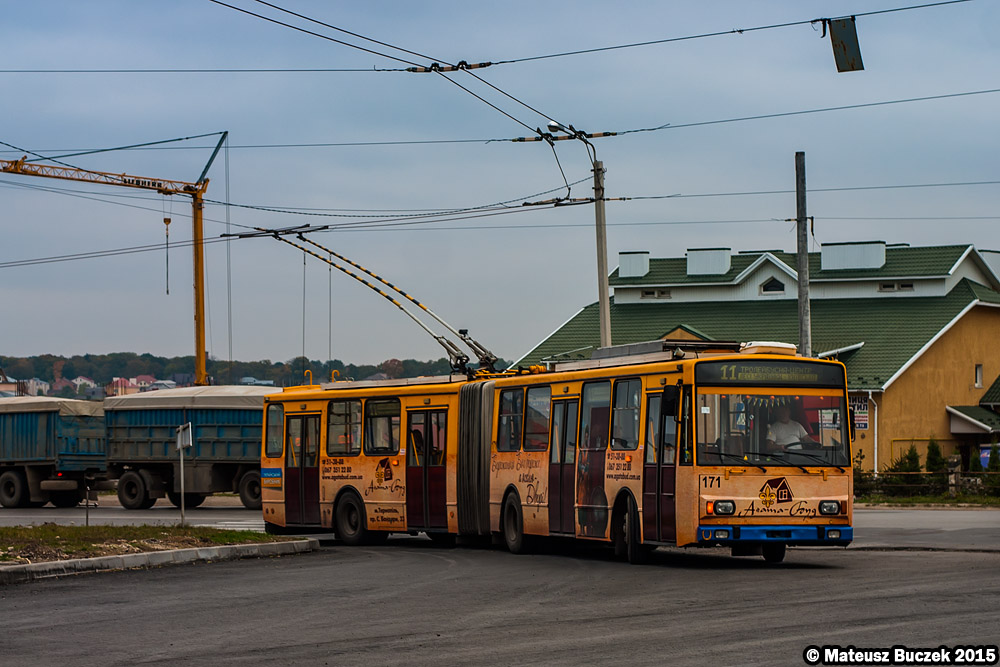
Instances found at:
x=626 y=529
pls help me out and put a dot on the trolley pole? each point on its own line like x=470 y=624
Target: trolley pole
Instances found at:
x=802 y=247
x=603 y=305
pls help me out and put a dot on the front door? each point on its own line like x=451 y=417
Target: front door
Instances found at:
x=562 y=466
x=659 y=473
x=426 y=479
x=302 y=469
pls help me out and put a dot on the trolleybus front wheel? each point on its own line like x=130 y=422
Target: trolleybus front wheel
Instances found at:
x=773 y=552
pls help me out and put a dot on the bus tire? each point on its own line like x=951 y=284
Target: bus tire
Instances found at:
x=13 y=489
x=513 y=526
x=65 y=498
x=773 y=552
x=619 y=526
x=350 y=519
x=132 y=492
x=250 y=490
x=636 y=552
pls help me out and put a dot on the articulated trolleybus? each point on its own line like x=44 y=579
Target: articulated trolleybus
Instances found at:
x=693 y=445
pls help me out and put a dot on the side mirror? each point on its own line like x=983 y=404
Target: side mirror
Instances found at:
x=669 y=401
x=850 y=422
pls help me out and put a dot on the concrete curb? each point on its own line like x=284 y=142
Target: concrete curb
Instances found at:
x=13 y=574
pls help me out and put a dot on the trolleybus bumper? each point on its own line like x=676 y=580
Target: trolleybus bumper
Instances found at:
x=813 y=536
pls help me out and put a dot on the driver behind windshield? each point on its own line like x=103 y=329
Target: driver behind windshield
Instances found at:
x=785 y=430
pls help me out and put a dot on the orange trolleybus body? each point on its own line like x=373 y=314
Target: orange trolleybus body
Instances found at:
x=750 y=451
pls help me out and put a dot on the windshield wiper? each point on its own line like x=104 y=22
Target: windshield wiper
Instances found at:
x=740 y=459
x=816 y=457
x=781 y=458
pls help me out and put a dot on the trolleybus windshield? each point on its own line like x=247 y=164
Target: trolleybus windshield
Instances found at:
x=771 y=429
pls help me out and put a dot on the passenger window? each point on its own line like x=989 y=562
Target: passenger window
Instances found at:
x=686 y=453
x=293 y=453
x=625 y=416
x=381 y=427
x=275 y=427
x=536 y=429
x=652 y=428
x=509 y=429
x=596 y=415
x=310 y=455
x=343 y=433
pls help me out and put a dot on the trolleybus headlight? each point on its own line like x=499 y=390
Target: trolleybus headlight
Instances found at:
x=722 y=534
x=829 y=507
x=833 y=534
x=725 y=507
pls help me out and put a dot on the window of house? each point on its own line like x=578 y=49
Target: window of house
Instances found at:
x=382 y=427
x=772 y=286
x=979 y=375
x=905 y=287
x=655 y=294
x=887 y=287
x=648 y=294
x=536 y=422
x=343 y=433
x=511 y=414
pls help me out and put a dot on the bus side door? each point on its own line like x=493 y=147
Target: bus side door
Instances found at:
x=562 y=466
x=302 y=469
x=426 y=474
x=659 y=469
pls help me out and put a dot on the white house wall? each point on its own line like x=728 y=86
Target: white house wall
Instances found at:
x=968 y=269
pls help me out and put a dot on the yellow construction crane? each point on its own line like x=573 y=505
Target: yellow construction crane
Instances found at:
x=194 y=190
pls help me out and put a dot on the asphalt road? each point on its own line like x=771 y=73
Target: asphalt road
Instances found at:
x=876 y=527
x=409 y=603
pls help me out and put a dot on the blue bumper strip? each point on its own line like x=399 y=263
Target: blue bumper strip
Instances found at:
x=793 y=535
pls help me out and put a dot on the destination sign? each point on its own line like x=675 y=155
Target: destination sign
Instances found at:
x=776 y=373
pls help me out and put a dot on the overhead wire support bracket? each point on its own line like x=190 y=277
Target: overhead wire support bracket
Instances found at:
x=437 y=67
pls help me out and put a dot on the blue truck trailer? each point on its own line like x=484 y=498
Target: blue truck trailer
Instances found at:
x=51 y=450
x=224 y=457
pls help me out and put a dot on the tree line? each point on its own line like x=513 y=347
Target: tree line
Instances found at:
x=103 y=368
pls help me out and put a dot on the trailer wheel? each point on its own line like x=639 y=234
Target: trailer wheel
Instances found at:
x=191 y=500
x=132 y=492
x=351 y=520
x=65 y=498
x=250 y=490
x=13 y=489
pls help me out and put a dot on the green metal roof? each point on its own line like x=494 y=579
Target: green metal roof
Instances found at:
x=900 y=262
x=893 y=330
x=985 y=417
x=992 y=395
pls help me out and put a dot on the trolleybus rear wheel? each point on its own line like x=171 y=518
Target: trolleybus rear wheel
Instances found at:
x=513 y=526
x=351 y=520
x=635 y=550
x=773 y=552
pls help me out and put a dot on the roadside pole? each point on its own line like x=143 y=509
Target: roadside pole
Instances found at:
x=183 y=442
x=802 y=248
x=604 y=307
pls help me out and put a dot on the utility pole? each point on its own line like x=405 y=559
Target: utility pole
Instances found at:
x=603 y=303
x=802 y=247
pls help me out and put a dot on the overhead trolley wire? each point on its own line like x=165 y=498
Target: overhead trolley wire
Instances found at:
x=419 y=142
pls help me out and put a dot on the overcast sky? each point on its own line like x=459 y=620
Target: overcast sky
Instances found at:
x=511 y=279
